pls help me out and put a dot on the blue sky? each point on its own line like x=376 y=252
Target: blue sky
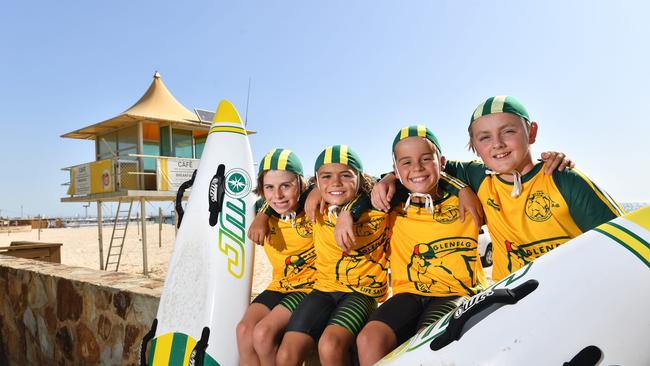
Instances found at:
x=350 y=72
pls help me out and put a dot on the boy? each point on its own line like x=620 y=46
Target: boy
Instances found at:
x=434 y=260
x=528 y=213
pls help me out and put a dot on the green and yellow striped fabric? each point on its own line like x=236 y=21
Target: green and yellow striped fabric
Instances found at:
x=174 y=349
x=500 y=104
x=341 y=154
x=281 y=159
x=416 y=130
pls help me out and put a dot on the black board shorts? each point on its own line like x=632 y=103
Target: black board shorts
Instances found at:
x=271 y=299
x=406 y=313
x=320 y=309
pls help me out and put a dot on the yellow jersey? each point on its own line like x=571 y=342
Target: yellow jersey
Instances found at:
x=550 y=210
x=434 y=254
x=364 y=268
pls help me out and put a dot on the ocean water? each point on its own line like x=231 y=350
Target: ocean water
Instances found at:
x=633 y=206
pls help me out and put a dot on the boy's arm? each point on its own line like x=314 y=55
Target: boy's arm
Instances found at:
x=470 y=172
x=589 y=206
x=258 y=232
x=344 y=230
x=303 y=197
x=450 y=184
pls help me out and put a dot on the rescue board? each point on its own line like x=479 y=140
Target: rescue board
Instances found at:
x=584 y=303
x=208 y=283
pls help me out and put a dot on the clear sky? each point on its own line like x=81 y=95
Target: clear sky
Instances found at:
x=325 y=72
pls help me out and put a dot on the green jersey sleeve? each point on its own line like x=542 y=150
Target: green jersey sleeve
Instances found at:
x=589 y=205
x=469 y=172
x=450 y=184
x=260 y=205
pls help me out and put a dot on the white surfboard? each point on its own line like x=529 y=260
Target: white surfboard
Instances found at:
x=584 y=303
x=208 y=283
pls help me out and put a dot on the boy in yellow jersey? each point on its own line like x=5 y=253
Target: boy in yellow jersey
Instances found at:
x=528 y=213
x=434 y=260
x=348 y=283
x=290 y=249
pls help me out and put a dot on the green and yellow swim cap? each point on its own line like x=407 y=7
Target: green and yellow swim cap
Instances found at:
x=341 y=154
x=500 y=104
x=416 y=130
x=281 y=159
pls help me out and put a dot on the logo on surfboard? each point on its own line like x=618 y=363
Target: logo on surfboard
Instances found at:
x=238 y=183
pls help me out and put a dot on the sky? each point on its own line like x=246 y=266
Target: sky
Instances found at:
x=323 y=73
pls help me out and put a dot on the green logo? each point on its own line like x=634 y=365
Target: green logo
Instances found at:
x=232 y=235
x=238 y=183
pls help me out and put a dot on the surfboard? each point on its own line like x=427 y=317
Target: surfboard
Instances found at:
x=584 y=303
x=208 y=283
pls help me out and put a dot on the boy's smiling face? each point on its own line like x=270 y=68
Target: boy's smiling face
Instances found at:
x=281 y=190
x=502 y=142
x=418 y=164
x=338 y=183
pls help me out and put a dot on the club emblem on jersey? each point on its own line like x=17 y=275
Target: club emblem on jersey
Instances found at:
x=538 y=206
x=304 y=228
x=368 y=228
x=294 y=266
x=352 y=269
x=238 y=183
x=492 y=203
x=446 y=214
x=430 y=268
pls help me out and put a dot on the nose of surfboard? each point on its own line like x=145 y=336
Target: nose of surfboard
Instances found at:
x=226 y=113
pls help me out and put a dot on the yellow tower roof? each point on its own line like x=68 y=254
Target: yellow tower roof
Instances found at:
x=156 y=105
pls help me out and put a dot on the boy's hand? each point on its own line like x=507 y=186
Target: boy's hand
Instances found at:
x=383 y=192
x=314 y=204
x=556 y=160
x=469 y=203
x=258 y=232
x=344 y=231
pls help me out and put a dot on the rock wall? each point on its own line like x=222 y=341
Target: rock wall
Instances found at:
x=52 y=314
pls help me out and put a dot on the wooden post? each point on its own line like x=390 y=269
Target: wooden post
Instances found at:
x=174 y=218
x=99 y=233
x=160 y=227
x=143 y=213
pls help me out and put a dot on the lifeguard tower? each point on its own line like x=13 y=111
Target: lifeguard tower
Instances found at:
x=143 y=154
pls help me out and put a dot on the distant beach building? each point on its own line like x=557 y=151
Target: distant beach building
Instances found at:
x=143 y=154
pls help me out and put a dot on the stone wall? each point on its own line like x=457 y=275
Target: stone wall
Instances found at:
x=52 y=314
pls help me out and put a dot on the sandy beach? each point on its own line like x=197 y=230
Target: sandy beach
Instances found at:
x=80 y=248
